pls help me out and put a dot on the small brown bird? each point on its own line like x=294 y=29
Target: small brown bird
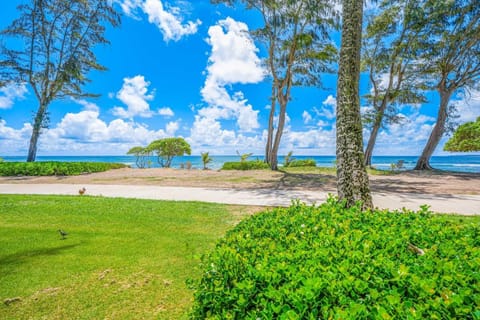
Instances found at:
x=82 y=191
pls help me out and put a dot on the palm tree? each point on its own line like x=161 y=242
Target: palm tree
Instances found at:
x=206 y=159
x=352 y=178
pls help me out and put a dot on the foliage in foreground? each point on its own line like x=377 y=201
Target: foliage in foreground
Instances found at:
x=328 y=262
x=121 y=259
x=245 y=165
x=50 y=168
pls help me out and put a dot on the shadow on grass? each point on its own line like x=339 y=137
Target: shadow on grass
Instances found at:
x=24 y=256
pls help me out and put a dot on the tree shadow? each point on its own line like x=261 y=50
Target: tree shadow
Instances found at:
x=24 y=256
x=306 y=180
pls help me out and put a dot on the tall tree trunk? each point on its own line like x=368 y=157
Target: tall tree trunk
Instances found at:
x=423 y=163
x=37 y=127
x=374 y=133
x=278 y=136
x=268 y=148
x=352 y=178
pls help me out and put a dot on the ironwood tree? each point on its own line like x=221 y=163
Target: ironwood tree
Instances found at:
x=53 y=51
x=352 y=178
x=296 y=36
x=450 y=59
x=389 y=56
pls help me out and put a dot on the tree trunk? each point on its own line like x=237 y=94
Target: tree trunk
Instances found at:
x=373 y=135
x=278 y=136
x=37 y=127
x=352 y=178
x=423 y=163
x=268 y=148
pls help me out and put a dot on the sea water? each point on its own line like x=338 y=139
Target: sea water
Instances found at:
x=459 y=163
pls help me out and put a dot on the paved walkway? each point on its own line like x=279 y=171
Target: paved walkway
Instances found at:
x=461 y=204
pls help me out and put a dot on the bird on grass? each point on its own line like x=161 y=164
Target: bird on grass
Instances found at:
x=62 y=233
x=82 y=191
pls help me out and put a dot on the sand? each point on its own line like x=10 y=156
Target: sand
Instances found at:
x=438 y=183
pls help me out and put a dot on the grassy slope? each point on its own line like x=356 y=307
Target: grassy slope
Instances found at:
x=122 y=259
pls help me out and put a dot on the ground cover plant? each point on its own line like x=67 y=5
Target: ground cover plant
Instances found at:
x=328 y=262
x=51 y=168
x=121 y=259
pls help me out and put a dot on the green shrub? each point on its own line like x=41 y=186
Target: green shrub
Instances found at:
x=50 y=168
x=302 y=163
x=245 y=165
x=327 y=262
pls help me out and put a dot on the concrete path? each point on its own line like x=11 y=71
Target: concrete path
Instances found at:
x=461 y=204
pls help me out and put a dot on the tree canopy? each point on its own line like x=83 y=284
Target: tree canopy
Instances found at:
x=166 y=149
x=466 y=138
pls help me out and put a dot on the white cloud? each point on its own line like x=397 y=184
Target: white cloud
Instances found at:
x=307 y=117
x=134 y=95
x=166 y=112
x=169 y=23
x=84 y=132
x=234 y=55
x=207 y=135
x=468 y=106
x=10 y=93
x=168 y=19
x=171 y=128
x=406 y=138
x=14 y=141
x=328 y=110
x=233 y=59
x=129 y=7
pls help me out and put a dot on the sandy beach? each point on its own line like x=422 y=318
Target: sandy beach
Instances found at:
x=438 y=183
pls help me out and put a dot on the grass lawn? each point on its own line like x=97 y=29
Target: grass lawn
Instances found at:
x=122 y=258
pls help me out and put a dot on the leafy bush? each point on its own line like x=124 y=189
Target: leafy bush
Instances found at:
x=302 y=163
x=245 y=165
x=327 y=262
x=50 y=168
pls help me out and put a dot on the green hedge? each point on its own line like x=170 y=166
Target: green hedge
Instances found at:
x=326 y=262
x=245 y=165
x=50 y=168
x=302 y=163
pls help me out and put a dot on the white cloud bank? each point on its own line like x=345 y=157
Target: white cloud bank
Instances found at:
x=166 y=112
x=134 y=94
x=233 y=60
x=168 y=19
x=85 y=133
x=10 y=93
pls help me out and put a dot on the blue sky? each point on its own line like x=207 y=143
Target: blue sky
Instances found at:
x=188 y=68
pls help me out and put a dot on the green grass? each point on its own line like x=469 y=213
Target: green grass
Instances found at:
x=122 y=258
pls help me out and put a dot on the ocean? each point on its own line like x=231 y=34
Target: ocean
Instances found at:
x=459 y=163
